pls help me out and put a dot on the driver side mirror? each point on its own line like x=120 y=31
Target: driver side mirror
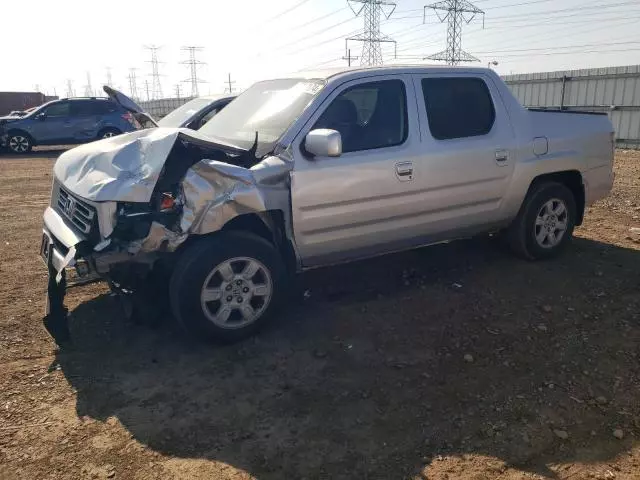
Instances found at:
x=41 y=116
x=323 y=142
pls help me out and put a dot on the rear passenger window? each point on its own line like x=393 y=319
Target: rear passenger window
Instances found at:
x=82 y=107
x=458 y=107
x=368 y=115
x=104 y=106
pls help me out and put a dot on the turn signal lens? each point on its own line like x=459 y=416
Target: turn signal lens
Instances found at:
x=167 y=202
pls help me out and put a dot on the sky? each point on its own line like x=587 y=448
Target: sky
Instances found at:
x=64 y=40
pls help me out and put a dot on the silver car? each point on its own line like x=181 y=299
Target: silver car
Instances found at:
x=314 y=169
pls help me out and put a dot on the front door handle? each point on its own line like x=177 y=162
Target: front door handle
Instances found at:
x=404 y=171
x=502 y=156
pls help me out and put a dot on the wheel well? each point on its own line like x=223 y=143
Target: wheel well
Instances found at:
x=250 y=222
x=572 y=179
x=12 y=131
x=269 y=225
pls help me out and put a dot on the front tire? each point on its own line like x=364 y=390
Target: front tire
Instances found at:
x=545 y=223
x=19 y=143
x=226 y=287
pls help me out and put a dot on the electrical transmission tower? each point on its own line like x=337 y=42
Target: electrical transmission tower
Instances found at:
x=88 y=89
x=133 y=83
x=456 y=12
x=70 y=91
x=177 y=90
x=371 y=37
x=156 y=87
x=109 y=79
x=193 y=69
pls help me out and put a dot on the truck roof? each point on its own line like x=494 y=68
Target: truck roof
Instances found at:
x=340 y=72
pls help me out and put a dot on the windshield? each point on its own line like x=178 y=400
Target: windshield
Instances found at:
x=180 y=115
x=268 y=108
x=35 y=110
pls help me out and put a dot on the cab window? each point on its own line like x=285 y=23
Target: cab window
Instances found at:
x=368 y=115
x=458 y=107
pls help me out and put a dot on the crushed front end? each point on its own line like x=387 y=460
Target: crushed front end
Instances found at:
x=121 y=207
x=84 y=241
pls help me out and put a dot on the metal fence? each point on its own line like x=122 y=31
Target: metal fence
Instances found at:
x=159 y=108
x=615 y=90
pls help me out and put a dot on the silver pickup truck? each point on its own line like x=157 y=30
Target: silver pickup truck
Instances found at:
x=310 y=170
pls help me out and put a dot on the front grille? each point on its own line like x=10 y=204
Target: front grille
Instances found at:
x=82 y=215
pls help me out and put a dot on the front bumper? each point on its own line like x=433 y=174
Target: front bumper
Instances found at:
x=59 y=250
x=65 y=249
x=61 y=239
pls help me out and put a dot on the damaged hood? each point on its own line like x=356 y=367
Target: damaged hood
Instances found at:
x=126 y=167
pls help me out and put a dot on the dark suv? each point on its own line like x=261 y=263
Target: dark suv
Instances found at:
x=63 y=122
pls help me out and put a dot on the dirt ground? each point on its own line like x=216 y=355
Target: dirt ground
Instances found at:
x=456 y=361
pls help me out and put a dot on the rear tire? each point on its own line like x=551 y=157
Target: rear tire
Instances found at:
x=108 y=133
x=19 y=143
x=226 y=287
x=545 y=223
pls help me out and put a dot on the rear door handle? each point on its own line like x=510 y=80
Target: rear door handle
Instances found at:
x=404 y=171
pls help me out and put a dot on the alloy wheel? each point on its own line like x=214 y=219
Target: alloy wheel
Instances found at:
x=551 y=223
x=18 y=144
x=236 y=292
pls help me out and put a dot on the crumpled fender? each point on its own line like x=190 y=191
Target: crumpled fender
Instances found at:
x=213 y=193
x=124 y=168
x=216 y=192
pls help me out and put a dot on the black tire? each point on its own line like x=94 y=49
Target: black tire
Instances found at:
x=523 y=230
x=204 y=257
x=108 y=132
x=19 y=143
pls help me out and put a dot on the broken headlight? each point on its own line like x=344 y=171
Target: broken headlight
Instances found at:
x=133 y=221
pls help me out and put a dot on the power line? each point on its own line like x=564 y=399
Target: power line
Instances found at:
x=529 y=14
x=371 y=37
x=419 y=42
x=457 y=12
x=229 y=83
x=306 y=24
x=577 y=52
x=193 y=69
x=563 y=47
x=316 y=45
x=550 y=49
x=519 y=4
x=290 y=9
x=536 y=36
x=313 y=35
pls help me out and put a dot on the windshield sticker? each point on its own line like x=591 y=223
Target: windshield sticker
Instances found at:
x=310 y=87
